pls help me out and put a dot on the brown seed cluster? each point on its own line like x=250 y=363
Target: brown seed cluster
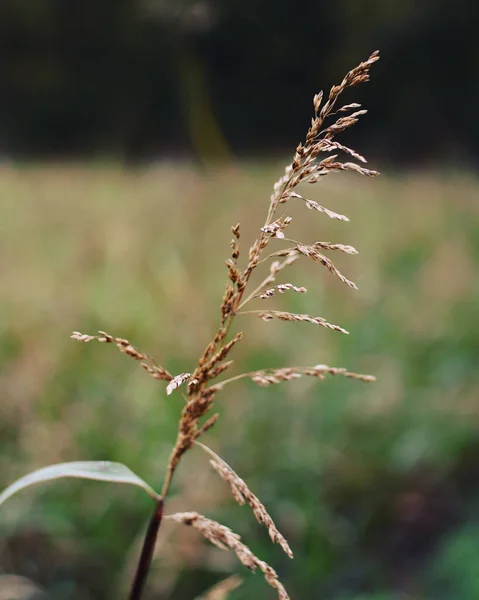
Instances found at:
x=312 y=253
x=340 y=247
x=277 y=228
x=224 y=538
x=280 y=288
x=147 y=362
x=288 y=316
x=242 y=494
x=306 y=166
x=312 y=205
x=267 y=377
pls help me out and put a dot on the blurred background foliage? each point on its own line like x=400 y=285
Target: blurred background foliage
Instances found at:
x=376 y=487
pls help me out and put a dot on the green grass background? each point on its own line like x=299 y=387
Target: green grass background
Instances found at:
x=375 y=486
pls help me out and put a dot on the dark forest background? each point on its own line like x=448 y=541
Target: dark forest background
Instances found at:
x=142 y=79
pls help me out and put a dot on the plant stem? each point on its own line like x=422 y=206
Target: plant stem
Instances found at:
x=147 y=551
x=167 y=482
x=235 y=378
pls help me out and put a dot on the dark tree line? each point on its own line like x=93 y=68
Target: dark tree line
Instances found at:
x=142 y=78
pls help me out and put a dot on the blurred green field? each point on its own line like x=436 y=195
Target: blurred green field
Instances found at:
x=376 y=487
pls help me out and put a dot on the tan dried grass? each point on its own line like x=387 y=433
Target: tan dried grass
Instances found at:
x=224 y=538
x=307 y=166
x=242 y=494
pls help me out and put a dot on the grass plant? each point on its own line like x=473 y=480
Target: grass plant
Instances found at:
x=272 y=254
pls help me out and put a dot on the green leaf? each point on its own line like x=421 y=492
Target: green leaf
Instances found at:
x=97 y=470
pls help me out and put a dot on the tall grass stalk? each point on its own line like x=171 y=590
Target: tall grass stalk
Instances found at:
x=274 y=251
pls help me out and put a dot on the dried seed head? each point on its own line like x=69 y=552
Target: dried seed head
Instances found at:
x=276 y=229
x=330 y=146
x=227 y=303
x=213 y=374
x=208 y=424
x=317 y=101
x=281 y=288
x=351 y=106
x=224 y=538
x=340 y=247
x=242 y=494
x=234 y=273
x=199 y=403
x=268 y=377
x=318 y=370
x=265 y=378
x=157 y=372
x=304 y=169
x=312 y=205
x=312 y=252
x=287 y=316
x=234 y=250
x=154 y=370
x=225 y=350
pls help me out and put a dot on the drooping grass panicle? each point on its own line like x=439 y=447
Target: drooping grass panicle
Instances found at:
x=147 y=362
x=305 y=167
x=312 y=253
x=340 y=247
x=313 y=205
x=267 y=377
x=281 y=288
x=288 y=316
x=221 y=368
x=224 y=538
x=242 y=494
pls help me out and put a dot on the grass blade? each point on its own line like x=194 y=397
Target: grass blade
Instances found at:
x=97 y=470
